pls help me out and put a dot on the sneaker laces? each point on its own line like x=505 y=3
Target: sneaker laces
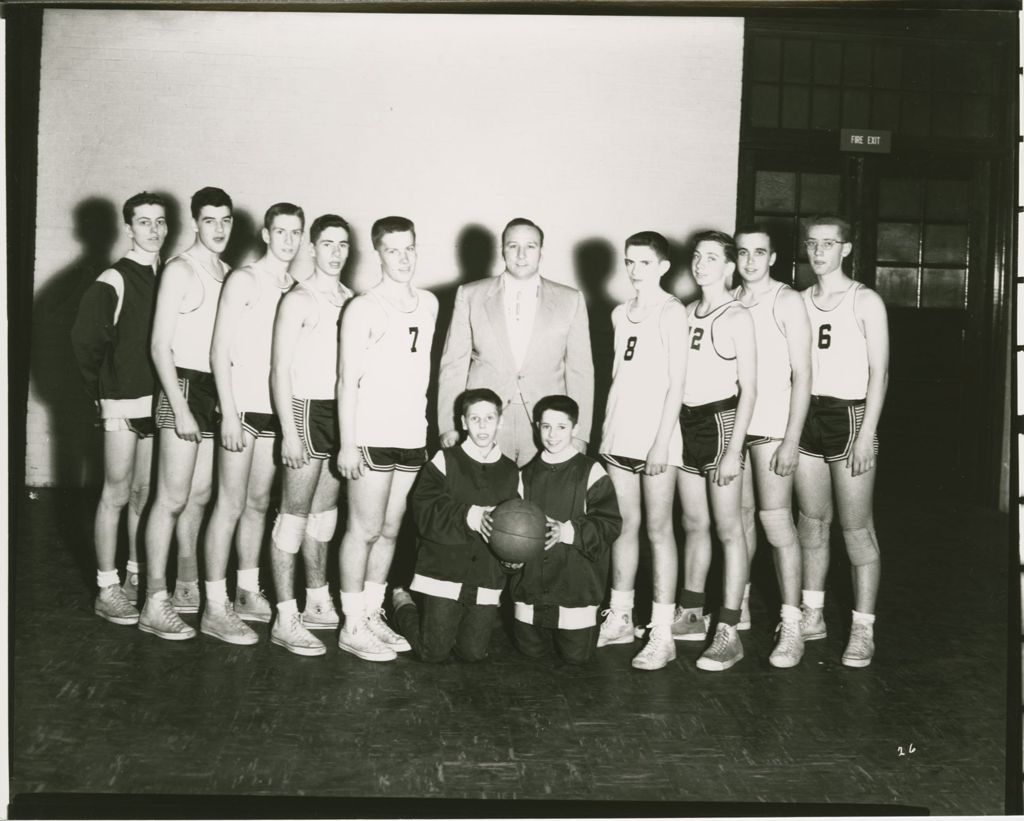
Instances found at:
x=786 y=635
x=860 y=637
x=377 y=620
x=721 y=641
x=118 y=602
x=169 y=614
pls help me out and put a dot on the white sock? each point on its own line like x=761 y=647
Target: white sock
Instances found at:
x=813 y=598
x=249 y=579
x=863 y=618
x=158 y=595
x=216 y=592
x=662 y=614
x=746 y=591
x=134 y=567
x=790 y=613
x=374 y=595
x=105 y=578
x=321 y=595
x=622 y=600
x=353 y=605
x=286 y=609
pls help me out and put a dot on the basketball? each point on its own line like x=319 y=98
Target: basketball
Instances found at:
x=519 y=530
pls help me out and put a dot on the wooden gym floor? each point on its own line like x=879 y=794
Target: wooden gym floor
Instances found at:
x=98 y=709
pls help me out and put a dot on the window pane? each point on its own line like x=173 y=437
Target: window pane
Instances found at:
x=899 y=199
x=888 y=66
x=898 y=241
x=765 y=58
x=977 y=116
x=805 y=277
x=916 y=114
x=796 y=65
x=947 y=200
x=917 y=69
x=763 y=103
x=946 y=118
x=857 y=65
x=945 y=244
x=825 y=108
x=827 y=60
x=775 y=191
x=885 y=112
x=897 y=286
x=943 y=288
x=856 y=109
x=819 y=193
x=796 y=107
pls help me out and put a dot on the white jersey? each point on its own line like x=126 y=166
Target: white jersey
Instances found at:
x=774 y=371
x=193 y=332
x=315 y=365
x=640 y=381
x=839 y=350
x=710 y=377
x=250 y=349
x=391 y=403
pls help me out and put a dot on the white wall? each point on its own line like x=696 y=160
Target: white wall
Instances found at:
x=594 y=127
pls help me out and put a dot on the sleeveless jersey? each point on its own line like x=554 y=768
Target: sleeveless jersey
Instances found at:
x=710 y=377
x=391 y=403
x=640 y=380
x=839 y=351
x=315 y=365
x=774 y=373
x=250 y=349
x=194 y=331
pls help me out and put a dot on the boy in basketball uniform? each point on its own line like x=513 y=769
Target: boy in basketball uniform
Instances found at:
x=839 y=445
x=782 y=335
x=186 y=307
x=110 y=339
x=457 y=575
x=240 y=356
x=382 y=383
x=641 y=443
x=557 y=594
x=303 y=372
x=721 y=358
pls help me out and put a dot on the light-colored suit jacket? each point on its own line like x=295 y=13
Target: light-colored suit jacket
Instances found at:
x=478 y=354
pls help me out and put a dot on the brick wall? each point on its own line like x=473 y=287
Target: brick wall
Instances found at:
x=594 y=127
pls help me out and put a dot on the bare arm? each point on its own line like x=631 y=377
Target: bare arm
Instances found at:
x=792 y=315
x=356 y=333
x=579 y=370
x=291 y=316
x=174 y=286
x=235 y=297
x=675 y=329
x=741 y=329
x=870 y=312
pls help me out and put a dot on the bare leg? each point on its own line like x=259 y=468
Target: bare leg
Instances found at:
x=118 y=470
x=814 y=499
x=659 y=494
x=175 y=466
x=253 y=521
x=232 y=488
x=383 y=550
x=697 y=524
x=368 y=498
x=626 y=548
x=314 y=552
x=748 y=508
x=775 y=497
x=297 y=493
x=139 y=496
x=726 y=508
x=191 y=518
x=854 y=501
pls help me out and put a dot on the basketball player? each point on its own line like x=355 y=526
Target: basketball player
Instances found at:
x=110 y=338
x=524 y=337
x=641 y=442
x=302 y=380
x=383 y=372
x=839 y=446
x=186 y=307
x=721 y=358
x=245 y=461
x=783 y=337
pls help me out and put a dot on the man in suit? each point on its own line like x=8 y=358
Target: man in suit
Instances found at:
x=522 y=336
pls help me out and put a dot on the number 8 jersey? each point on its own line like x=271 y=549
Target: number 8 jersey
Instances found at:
x=839 y=351
x=640 y=380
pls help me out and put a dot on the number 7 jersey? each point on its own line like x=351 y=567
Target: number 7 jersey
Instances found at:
x=839 y=351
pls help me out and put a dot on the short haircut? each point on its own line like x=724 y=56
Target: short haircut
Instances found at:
x=723 y=239
x=390 y=225
x=322 y=223
x=514 y=223
x=283 y=209
x=845 y=229
x=217 y=197
x=755 y=228
x=474 y=395
x=649 y=239
x=557 y=402
x=142 y=198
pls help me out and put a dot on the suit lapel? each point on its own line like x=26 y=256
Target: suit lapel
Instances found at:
x=494 y=303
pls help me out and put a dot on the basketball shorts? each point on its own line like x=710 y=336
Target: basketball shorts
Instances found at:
x=317 y=423
x=831 y=426
x=625 y=462
x=707 y=431
x=200 y=392
x=752 y=441
x=386 y=460
x=143 y=426
x=260 y=425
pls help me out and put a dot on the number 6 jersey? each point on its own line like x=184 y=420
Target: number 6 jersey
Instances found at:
x=839 y=351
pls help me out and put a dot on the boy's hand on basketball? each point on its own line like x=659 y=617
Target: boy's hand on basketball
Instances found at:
x=657 y=460
x=554 y=533
x=862 y=455
x=450 y=438
x=785 y=458
x=350 y=463
x=186 y=427
x=728 y=468
x=510 y=565
x=293 y=454
x=486 y=524
x=231 y=437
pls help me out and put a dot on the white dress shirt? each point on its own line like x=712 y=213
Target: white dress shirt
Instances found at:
x=521 y=297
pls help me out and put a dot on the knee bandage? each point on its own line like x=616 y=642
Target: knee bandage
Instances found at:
x=288 y=531
x=321 y=525
x=861 y=546
x=813 y=533
x=779 y=528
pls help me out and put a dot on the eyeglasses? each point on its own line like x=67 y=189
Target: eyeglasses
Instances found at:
x=823 y=244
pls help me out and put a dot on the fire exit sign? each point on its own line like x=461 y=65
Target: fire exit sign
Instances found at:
x=864 y=139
